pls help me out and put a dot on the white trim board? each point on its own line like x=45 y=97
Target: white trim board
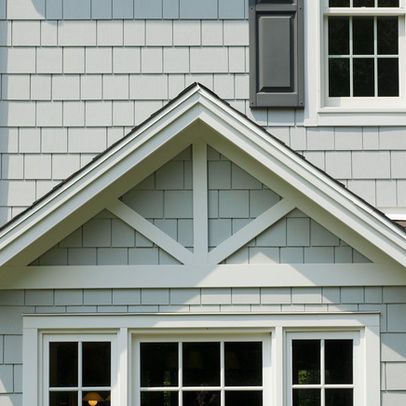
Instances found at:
x=206 y=276
x=174 y=128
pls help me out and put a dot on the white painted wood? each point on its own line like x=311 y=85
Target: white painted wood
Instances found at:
x=29 y=231
x=126 y=330
x=180 y=323
x=200 y=276
x=279 y=359
x=371 y=343
x=328 y=196
x=200 y=202
x=250 y=231
x=121 y=385
x=150 y=231
x=31 y=367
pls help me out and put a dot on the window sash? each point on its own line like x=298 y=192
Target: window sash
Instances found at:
x=80 y=388
x=266 y=389
x=322 y=386
x=361 y=103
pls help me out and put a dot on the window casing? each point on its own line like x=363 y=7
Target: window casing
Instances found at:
x=323 y=367
x=216 y=369
x=78 y=368
x=228 y=332
x=323 y=110
x=363 y=53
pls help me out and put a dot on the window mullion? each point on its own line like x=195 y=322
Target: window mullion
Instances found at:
x=351 y=60
x=322 y=373
x=222 y=373
x=180 y=375
x=375 y=56
x=80 y=372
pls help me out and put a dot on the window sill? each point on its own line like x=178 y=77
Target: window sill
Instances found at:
x=346 y=116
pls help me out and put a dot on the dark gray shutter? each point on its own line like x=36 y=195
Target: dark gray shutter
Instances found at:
x=276 y=53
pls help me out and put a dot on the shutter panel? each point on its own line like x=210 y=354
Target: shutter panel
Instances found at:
x=276 y=53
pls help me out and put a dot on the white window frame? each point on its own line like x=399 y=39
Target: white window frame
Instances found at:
x=76 y=338
x=352 y=111
x=336 y=335
x=123 y=328
x=221 y=337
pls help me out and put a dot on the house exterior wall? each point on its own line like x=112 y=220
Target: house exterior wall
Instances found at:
x=76 y=76
x=389 y=301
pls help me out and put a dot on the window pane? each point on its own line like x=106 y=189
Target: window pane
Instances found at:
x=63 y=364
x=96 y=358
x=363 y=71
x=339 y=77
x=338 y=361
x=339 y=3
x=103 y=398
x=339 y=397
x=388 y=77
x=159 y=398
x=306 y=361
x=363 y=35
x=388 y=3
x=201 y=364
x=159 y=364
x=240 y=398
x=338 y=35
x=63 y=399
x=364 y=3
x=387 y=35
x=201 y=398
x=243 y=364
x=306 y=397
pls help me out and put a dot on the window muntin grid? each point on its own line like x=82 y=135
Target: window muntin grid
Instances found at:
x=89 y=373
x=385 y=79
x=223 y=390
x=318 y=381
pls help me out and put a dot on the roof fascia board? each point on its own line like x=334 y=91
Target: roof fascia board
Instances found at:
x=302 y=202
x=139 y=136
x=193 y=104
x=287 y=156
x=307 y=179
x=97 y=178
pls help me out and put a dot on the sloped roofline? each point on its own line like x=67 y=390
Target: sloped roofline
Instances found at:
x=385 y=231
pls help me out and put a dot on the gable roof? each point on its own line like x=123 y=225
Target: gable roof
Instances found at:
x=195 y=103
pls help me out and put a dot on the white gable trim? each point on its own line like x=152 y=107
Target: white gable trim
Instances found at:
x=163 y=129
x=201 y=276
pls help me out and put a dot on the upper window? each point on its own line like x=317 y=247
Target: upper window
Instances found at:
x=363 y=61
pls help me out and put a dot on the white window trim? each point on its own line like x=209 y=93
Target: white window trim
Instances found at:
x=244 y=335
x=124 y=327
x=358 y=111
x=78 y=337
x=357 y=359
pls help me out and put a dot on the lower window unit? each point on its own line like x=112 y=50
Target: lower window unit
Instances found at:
x=260 y=365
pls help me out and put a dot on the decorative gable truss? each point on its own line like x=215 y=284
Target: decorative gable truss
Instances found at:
x=199 y=196
x=154 y=223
